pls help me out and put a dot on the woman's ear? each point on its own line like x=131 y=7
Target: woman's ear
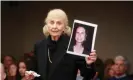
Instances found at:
x=67 y=30
x=45 y=30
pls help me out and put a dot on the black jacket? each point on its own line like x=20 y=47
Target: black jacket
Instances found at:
x=64 y=66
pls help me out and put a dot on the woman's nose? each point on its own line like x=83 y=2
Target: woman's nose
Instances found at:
x=55 y=25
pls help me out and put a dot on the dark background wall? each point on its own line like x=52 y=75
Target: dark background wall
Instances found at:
x=22 y=22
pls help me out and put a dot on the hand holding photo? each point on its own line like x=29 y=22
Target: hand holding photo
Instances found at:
x=91 y=58
x=82 y=39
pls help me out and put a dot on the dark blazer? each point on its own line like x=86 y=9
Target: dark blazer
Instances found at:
x=65 y=65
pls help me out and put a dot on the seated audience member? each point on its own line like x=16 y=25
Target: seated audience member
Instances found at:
x=7 y=61
x=108 y=62
x=2 y=72
x=23 y=67
x=12 y=72
x=109 y=72
x=120 y=68
x=109 y=69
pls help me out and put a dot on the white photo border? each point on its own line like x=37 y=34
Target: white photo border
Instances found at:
x=93 y=39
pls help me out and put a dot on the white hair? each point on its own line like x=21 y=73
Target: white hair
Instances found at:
x=121 y=58
x=57 y=13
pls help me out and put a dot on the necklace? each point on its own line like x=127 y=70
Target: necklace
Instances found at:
x=49 y=57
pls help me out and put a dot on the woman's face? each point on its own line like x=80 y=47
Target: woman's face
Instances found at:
x=22 y=68
x=56 y=26
x=12 y=70
x=80 y=35
x=111 y=71
x=8 y=61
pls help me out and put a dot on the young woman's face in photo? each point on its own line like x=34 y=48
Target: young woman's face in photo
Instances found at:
x=56 y=26
x=80 y=35
x=22 y=68
x=12 y=70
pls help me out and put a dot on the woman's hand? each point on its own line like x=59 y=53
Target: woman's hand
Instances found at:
x=29 y=76
x=91 y=58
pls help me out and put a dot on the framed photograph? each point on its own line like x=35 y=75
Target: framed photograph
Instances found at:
x=82 y=38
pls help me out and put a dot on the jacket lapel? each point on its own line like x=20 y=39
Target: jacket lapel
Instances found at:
x=60 y=52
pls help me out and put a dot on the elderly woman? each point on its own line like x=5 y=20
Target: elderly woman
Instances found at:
x=53 y=63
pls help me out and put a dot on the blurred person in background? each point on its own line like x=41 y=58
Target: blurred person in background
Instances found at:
x=13 y=72
x=109 y=69
x=7 y=61
x=121 y=67
x=23 y=67
x=109 y=72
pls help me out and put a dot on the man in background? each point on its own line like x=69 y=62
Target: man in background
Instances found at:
x=120 y=67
